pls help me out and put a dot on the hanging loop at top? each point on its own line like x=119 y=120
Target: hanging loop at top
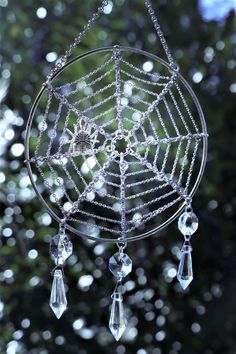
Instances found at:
x=62 y=61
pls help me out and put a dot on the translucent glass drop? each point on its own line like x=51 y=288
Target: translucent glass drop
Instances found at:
x=58 y=302
x=188 y=223
x=120 y=265
x=61 y=248
x=117 y=323
x=185 y=270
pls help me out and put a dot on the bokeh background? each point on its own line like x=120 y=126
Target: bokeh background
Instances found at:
x=162 y=318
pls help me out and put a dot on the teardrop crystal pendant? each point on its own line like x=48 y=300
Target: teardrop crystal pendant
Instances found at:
x=185 y=270
x=117 y=323
x=58 y=302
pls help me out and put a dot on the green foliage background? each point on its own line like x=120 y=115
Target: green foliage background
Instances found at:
x=163 y=319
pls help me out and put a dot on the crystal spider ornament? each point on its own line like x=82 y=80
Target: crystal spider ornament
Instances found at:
x=82 y=139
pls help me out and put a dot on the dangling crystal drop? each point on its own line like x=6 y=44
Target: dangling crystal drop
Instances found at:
x=117 y=323
x=185 y=270
x=188 y=223
x=61 y=248
x=58 y=302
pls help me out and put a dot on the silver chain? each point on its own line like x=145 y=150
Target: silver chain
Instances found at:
x=59 y=64
x=62 y=61
x=160 y=34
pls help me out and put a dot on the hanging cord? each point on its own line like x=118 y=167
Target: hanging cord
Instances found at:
x=59 y=64
x=160 y=34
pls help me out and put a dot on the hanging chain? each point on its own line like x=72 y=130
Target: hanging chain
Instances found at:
x=160 y=34
x=59 y=64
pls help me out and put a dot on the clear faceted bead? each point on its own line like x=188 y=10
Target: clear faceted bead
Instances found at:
x=61 y=248
x=185 y=270
x=58 y=302
x=188 y=223
x=118 y=322
x=120 y=265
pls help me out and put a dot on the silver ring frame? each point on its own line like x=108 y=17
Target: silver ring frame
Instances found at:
x=204 y=152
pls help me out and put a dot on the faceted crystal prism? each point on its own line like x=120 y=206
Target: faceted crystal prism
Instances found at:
x=188 y=223
x=117 y=323
x=58 y=302
x=61 y=248
x=185 y=270
x=120 y=265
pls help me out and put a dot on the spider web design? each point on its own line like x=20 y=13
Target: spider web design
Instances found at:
x=145 y=141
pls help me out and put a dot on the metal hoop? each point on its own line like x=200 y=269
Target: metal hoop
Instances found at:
x=204 y=153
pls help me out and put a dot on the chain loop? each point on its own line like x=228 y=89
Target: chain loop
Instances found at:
x=62 y=61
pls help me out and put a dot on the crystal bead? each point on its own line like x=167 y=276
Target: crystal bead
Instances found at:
x=188 y=223
x=58 y=302
x=61 y=248
x=117 y=323
x=185 y=270
x=120 y=265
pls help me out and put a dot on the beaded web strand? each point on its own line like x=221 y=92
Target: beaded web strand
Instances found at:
x=118 y=149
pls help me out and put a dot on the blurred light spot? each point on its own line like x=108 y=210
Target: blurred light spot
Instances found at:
x=60 y=340
x=200 y=310
x=34 y=281
x=17 y=149
x=197 y=77
x=131 y=333
x=85 y=281
x=88 y=165
x=90 y=196
x=51 y=57
x=141 y=351
x=46 y=219
x=232 y=87
x=12 y=347
x=86 y=333
x=213 y=204
x=7 y=232
x=29 y=234
x=9 y=134
x=41 y=12
x=208 y=54
x=46 y=335
x=172 y=272
x=108 y=8
x=25 y=323
x=2 y=177
x=216 y=290
x=33 y=254
x=78 y=324
x=148 y=66
x=99 y=249
x=129 y=285
x=231 y=64
x=67 y=206
x=160 y=336
x=220 y=45
x=18 y=334
x=8 y=273
x=216 y=9
x=161 y=320
x=3 y=3
x=196 y=328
